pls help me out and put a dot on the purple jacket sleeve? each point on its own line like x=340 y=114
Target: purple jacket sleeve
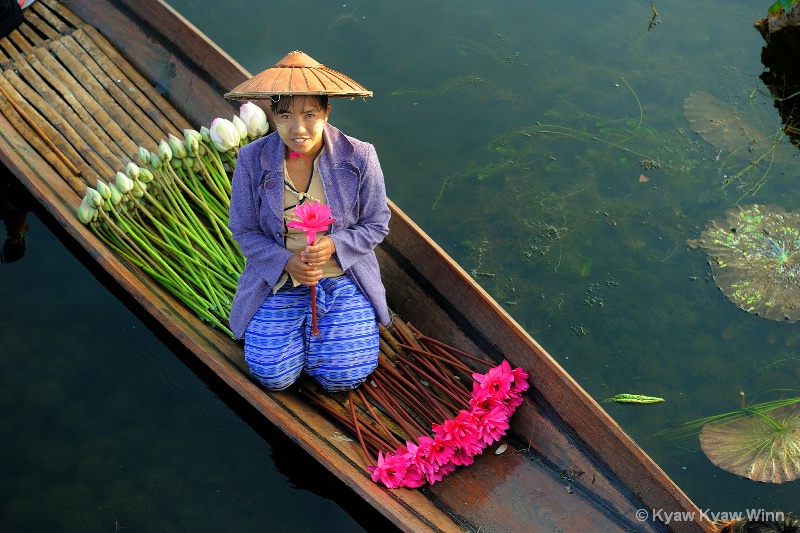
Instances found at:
x=362 y=228
x=259 y=237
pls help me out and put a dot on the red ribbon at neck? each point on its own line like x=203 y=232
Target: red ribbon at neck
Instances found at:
x=295 y=155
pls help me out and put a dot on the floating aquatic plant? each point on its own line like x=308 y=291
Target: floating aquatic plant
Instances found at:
x=753 y=253
x=760 y=442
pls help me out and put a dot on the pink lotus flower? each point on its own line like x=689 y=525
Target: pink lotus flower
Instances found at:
x=311 y=218
x=413 y=477
x=456 y=442
x=493 y=425
x=498 y=379
x=485 y=399
x=463 y=457
x=462 y=431
x=391 y=470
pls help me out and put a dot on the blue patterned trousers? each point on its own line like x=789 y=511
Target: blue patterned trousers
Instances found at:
x=279 y=344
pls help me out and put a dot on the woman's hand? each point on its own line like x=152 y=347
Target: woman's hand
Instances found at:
x=302 y=272
x=305 y=267
x=318 y=253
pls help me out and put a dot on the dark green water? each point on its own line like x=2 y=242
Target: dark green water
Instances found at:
x=515 y=134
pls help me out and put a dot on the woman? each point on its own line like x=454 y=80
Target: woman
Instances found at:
x=308 y=160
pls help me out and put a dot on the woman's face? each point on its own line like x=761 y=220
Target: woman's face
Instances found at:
x=300 y=127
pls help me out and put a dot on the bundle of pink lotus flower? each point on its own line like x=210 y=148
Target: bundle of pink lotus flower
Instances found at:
x=418 y=417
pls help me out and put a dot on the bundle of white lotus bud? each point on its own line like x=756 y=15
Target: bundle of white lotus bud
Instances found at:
x=168 y=214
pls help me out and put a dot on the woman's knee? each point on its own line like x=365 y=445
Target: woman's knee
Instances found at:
x=276 y=382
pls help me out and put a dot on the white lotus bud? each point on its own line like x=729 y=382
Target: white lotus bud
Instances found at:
x=132 y=170
x=145 y=176
x=124 y=183
x=144 y=156
x=240 y=126
x=103 y=189
x=95 y=199
x=164 y=151
x=255 y=119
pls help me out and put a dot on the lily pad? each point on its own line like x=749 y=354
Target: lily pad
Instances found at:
x=753 y=253
x=762 y=447
x=718 y=123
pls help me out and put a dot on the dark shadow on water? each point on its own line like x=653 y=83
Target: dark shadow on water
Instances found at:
x=15 y=203
x=781 y=57
x=291 y=460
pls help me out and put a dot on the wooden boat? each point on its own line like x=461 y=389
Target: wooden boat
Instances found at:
x=569 y=466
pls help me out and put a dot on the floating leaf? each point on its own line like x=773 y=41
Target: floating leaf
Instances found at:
x=753 y=253
x=635 y=398
x=719 y=125
x=763 y=447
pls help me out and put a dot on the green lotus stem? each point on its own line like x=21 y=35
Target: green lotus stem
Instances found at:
x=201 y=239
x=207 y=182
x=144 y=241
x=216 y=171
x=219 y=167
x=131 y=234
x=205 y=190
x=219 y=223
x=114 y=243
x=196 y=258
x=207 y=196
x=188 y=212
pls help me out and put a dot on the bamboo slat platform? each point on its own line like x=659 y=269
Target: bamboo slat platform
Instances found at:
x=76 y=100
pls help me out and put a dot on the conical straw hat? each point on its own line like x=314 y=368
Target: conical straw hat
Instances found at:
x=297 y=74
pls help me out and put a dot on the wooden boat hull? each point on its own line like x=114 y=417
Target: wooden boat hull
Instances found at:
x=569 y=466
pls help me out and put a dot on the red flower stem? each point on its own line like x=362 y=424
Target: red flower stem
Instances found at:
x=450 y=360
x=422 y=410
x=436 y=367
x=397 y=393
x=391 y=406
x=314 y=329
x=436 y=402
x=444 y=382
x=443 y=355
x=373 y=435
x=355 y=422
x=455 y=350
x=401 y=332
x=377 y=418
x=405 y=391
x=375 y=444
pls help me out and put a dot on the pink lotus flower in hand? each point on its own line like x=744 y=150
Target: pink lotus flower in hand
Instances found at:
x=312 y=218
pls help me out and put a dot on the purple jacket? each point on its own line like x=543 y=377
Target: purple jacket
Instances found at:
x=354 y=187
